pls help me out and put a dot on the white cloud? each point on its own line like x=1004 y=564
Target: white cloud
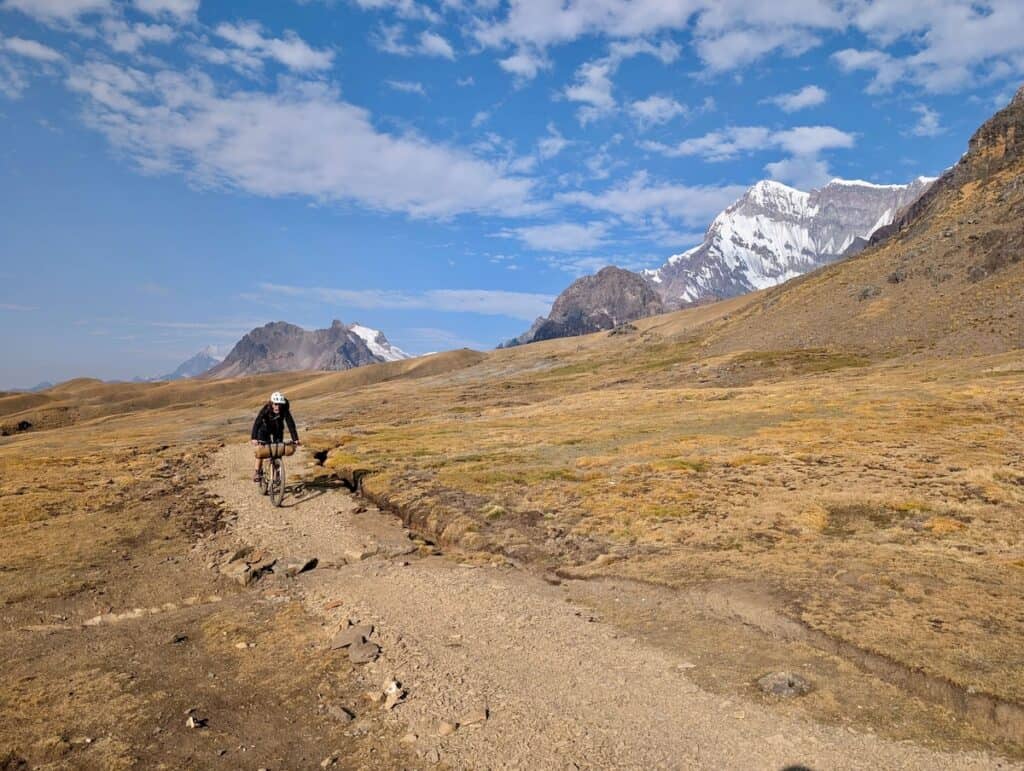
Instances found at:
x=16 y=308
x=488 y=302
x=480 y=118
x=50 y=11
x=639 y=198
x=524 y=64
x=30 y=49
x=405 y=9
x=433 y=44
x=733 y=141
x=655 y=109
x=182 y=10
x=391 y=40
x=560 y=236
x=551 y=145
x=928 y=123
x=593 y=85
x=291 y=50
x=300 y=140
x=888 y=71
x=803 y=172
x=808 y=96
x=407 y=86
x=128 y=38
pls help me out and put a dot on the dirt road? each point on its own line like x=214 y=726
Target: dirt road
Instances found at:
x=561 y=687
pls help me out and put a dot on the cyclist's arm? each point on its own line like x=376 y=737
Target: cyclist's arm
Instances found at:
x=256 y=425
x=291 y=426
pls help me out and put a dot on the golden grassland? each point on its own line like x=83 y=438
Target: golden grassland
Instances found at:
x=876 y=501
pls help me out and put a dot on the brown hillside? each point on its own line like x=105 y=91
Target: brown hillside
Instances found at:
x=948 y=278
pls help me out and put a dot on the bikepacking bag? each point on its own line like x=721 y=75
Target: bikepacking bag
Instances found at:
x=276 y=450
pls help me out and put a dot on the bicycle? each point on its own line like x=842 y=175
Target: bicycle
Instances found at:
x=272 y=481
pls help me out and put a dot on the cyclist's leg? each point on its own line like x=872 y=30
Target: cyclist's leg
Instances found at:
x=263 y=438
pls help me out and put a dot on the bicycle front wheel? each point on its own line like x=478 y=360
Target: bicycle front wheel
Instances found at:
x=277 y=488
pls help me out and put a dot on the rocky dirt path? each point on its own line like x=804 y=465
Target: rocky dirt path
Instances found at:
x=559 y=687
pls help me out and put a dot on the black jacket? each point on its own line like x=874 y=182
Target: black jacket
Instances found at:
x=270 y=427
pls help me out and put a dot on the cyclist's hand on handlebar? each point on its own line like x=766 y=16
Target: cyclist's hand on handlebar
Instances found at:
x=254 y=442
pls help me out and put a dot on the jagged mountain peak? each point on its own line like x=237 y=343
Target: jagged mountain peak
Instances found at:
x=283 y=347
x=775 y=232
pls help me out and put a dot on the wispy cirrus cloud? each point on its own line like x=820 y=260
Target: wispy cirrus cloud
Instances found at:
x=301 y=139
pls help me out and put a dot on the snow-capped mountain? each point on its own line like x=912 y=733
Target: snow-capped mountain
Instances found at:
x=202 y=362
x=775 y=233
x=282 y=347
x=378 y=344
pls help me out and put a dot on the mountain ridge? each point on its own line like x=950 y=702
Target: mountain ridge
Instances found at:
x=775 y=232
x=279 y=346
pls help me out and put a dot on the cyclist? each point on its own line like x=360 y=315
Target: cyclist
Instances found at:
x=269 y=427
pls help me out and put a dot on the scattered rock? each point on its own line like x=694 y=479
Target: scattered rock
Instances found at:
x=868 y=293
x=238 y=571
x=784 y=684
x=433 y=757
x=341 y=714
x=178 y=639
x=363 y=652
x=195 y=722
x=445 y=728
x=393 y=694
x=329 y=761
x=351 y=635
x=240 y=554
x=295 y=565
x=409 y=738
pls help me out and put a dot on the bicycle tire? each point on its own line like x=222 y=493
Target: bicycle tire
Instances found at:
x=277 y=486
x=265 y=482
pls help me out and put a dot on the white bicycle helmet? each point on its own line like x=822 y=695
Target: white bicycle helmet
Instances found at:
x=278 y=398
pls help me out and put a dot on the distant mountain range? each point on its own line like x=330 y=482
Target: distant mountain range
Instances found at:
x=202 y=362
x=771 y=234
x=283 y=347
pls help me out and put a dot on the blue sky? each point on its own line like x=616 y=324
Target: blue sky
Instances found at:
x=175 y=172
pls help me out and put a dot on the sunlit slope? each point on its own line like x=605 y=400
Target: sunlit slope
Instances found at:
x=949 y=280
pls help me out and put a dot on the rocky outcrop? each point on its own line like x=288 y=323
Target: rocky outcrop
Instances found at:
x=283 y=347
x=593 y=303
x=775 y=233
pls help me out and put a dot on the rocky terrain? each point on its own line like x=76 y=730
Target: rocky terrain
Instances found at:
x=593 y=303
x=775 y=233
x=282 y=347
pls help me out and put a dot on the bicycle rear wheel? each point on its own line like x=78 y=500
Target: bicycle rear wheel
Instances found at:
x=277 y=485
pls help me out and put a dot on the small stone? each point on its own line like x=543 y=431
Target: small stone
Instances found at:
x=329 y=761
x=295 y=565
x=238 y=571
x=433 y=757
x=393 y=694
x=178 y=639
x=409 y=738
x=195 y=722
x=352 y=635
x=784 y=685
x=445 y=728
x=341 y=714
x=240 y=554
x=363 y=653
x=244 y=645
